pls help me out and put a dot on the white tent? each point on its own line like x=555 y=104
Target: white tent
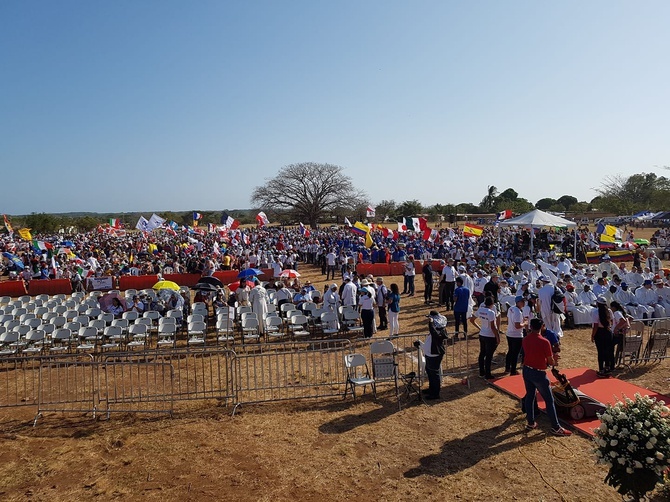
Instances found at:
x=539 y=219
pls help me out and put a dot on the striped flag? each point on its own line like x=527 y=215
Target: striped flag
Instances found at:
x=471 y=230
x=371 y=212
x=504 y=215
x=262 y=219
x=304 y=230
x=8 y=225
x=115 y=223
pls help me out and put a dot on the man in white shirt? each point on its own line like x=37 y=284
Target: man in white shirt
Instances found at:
x=647 y=298
x=515 y=326
x=447 y=284
x=331 y=261
x=349 y=291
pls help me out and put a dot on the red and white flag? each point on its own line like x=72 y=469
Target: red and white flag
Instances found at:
x=371 y=212
x=304 y=230
x=504 y=215
x=262 y=219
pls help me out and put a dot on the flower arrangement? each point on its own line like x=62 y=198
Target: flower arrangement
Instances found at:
x=633 y=441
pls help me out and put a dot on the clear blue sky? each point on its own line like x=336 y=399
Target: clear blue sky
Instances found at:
x=178 y=105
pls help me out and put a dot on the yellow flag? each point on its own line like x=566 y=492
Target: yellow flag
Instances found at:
x=25 y=234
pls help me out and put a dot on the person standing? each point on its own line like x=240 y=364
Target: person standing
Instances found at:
x=515 y=326
x=410 y=272
x=427 y=272
x=489 y=337
x=537 y=356
x=461 y=303
x=393 y=302
x=551 y=319
x=331 y=260
x=258 y=297
x=367 y=304
x=601 y=335
x=448 y=284
x=382 y=292
x=433 y=350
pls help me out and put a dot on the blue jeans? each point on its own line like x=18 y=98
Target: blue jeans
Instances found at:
x=409 y=284
x=536 y=380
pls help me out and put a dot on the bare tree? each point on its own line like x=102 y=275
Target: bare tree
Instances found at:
x=309 y=191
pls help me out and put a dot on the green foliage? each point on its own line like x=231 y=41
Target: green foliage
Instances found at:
x=409 y=208
x=488 y=203
x=622 y=195
x=385 y=209
x=545 y=204
x=566 y=201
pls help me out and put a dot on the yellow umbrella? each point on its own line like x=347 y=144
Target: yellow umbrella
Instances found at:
x=166 y=285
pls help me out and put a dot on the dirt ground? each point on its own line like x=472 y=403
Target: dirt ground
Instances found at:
x=471 y=445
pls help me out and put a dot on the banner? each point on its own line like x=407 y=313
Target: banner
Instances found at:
x=100 y=283
x=25 y=234
x=143 y=224
x=371 y=212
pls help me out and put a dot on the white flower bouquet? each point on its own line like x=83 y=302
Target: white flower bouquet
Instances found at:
x=633 y=441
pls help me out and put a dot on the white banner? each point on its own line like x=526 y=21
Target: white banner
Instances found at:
x=100 y=283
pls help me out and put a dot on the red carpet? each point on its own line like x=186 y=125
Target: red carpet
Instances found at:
x=605 y=390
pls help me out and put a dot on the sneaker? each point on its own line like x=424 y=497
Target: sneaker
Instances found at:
x=561 y=432
x=531 y=427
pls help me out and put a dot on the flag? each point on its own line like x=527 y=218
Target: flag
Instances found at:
x=8 y=225
x=143 y=224
x=371 y=212
x=304 y=230
x=364 y=231
x=196 y=216
x=430 y=234
x=402 y=227
x=229 y=222
x=347 y=222
x=412 y=224
x=42 y=246
x=608 y=233
x=423 y=224
x=156 y=221
x=211 y=227
x=262 y=219
x=115 y=223
x=470 y=230
x=25 y=234
x=504 y=215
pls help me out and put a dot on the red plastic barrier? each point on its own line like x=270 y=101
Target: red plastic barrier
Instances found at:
x=364 y=268
x=137 y=281
x=226 y=276
x=397 y=268
x=12 y=288
x=54 y=287
x=189 y=280
x=381 y=269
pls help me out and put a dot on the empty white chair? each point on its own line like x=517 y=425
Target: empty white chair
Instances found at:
x=167 y=335
x=197 y=331
x=358 y=374
x=8 y=343
x=34 y=342
x=138 y=335
x=112 y=336
x=107 y=317
x=88 y=336
x=41 y=312
x=82 y=319
x=298 y=325
x=250 y=329
x=273 y=327
x=330 y=324
x=131 y=316
x=33 y=323
x=93 y=312
x=60 y=340
x=224 y=330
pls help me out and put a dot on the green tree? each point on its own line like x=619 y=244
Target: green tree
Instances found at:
x=487 y=205
x=637 y=192
x=409 y=208
x=309 y=191
x=566 y=201
x=386 y=209
x=545 y=204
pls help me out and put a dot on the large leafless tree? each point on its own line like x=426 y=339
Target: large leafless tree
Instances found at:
x=308 y=191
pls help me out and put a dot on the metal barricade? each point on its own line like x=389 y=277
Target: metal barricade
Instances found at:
x=137 y=387
x=292 y=370
x=67 y=384
x=19 y=381
x=202 y=373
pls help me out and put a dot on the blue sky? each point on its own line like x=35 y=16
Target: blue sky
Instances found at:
x=174 y=105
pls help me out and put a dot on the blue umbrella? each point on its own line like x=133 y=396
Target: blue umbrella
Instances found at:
x=249 y=272
x=68 y=244
x=14 y=259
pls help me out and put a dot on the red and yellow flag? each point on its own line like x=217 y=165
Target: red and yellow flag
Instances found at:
x=470 y=230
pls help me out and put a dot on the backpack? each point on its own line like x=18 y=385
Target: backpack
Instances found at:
x=558 y=301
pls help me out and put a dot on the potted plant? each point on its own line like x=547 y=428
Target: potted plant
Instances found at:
x=633 y=441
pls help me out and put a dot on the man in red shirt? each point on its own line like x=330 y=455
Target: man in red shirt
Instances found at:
x=537 y=357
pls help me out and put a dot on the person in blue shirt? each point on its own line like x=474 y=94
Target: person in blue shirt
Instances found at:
x=461 y=304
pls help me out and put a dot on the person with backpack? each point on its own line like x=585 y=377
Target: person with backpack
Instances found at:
x=433 y=350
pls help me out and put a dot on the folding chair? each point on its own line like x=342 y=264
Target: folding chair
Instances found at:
x=358 y=374
x=88 y=337
x=167 y=335
x=352 y=321
x=273 y=327
x=384 y=366
x=138 y=334
x=197 y=331
x=249 y=328
x=298 y=326
x=330 y=324
x=225 y=330
x=34 y=342
x=60 y=340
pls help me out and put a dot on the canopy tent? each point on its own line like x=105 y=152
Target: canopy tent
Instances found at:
x=539 y=219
